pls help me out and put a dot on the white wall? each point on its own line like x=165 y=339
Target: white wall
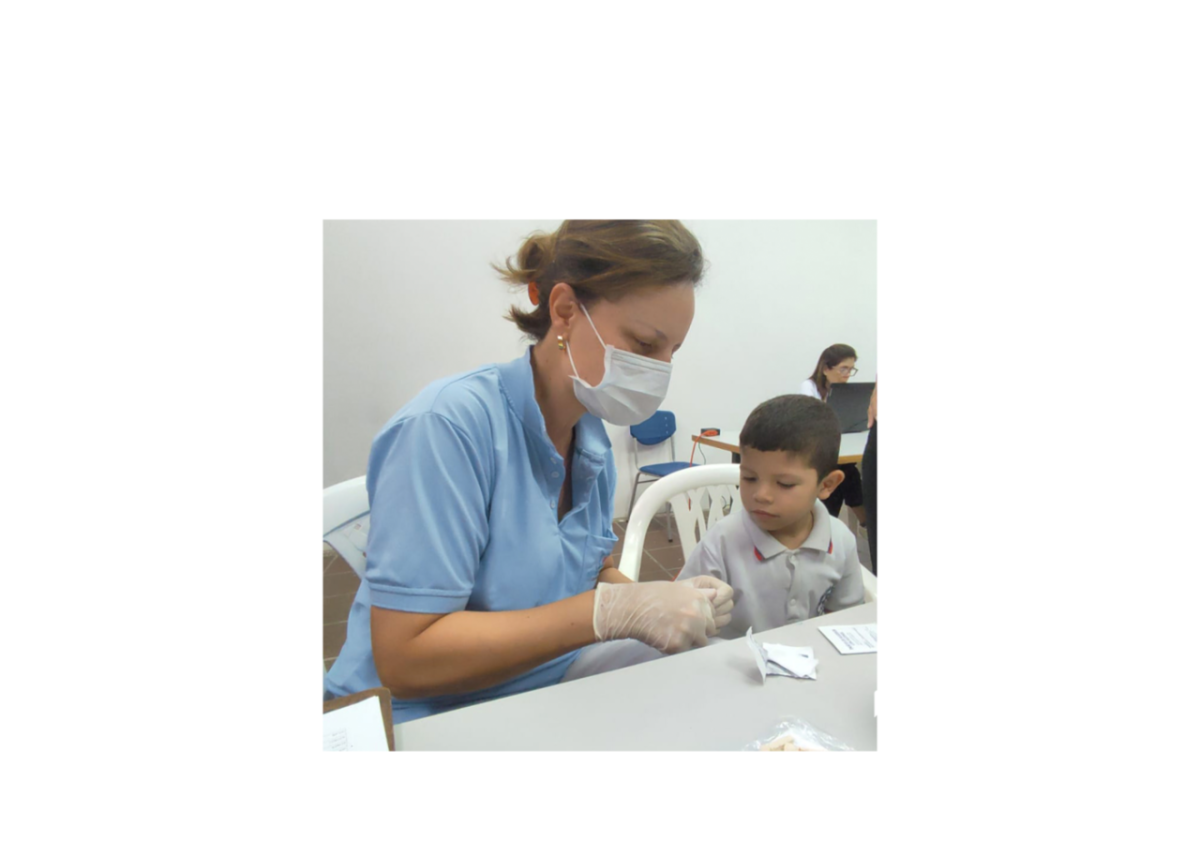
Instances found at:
x=407 y=302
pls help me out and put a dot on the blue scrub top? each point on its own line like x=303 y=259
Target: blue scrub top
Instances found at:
x=463 y=484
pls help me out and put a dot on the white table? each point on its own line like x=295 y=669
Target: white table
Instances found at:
x=706 y=699
x=850 y=451
x=852 y=447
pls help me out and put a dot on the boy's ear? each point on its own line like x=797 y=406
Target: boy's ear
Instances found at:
x=829 y=483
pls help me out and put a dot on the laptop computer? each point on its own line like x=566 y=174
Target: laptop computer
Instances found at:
x=850 y=403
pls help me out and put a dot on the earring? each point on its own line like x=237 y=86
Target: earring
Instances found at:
x=562 y=346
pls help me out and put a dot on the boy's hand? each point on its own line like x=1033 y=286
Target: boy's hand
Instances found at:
x=871 y=407
x=722 y=601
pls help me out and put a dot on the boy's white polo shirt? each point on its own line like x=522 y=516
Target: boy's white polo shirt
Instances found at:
x=773 y=585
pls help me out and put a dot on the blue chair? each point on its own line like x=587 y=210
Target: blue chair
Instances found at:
x=658 y=429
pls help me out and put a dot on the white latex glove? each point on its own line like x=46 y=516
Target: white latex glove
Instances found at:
x=722 y=601
x=668 y=617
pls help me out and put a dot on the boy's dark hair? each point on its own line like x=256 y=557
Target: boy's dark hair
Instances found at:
x=801 y=425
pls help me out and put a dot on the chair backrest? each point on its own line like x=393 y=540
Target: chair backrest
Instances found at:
x=870 y=586
x=717 y=481
x=348 y=521
x=655 y=430
x=651 y=432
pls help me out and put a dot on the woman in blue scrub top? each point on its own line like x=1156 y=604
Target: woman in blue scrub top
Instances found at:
x=489 y=556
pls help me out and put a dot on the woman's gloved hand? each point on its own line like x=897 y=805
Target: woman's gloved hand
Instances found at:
x=669 y=617
x=722 y=601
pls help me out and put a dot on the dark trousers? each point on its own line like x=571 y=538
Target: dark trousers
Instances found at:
x=849 y=492
x=870 y=494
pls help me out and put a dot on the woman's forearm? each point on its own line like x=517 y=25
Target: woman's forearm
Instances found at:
x=472 y=650
x=609 y=573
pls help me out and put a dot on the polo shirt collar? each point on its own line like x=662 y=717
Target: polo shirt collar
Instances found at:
x=821 y=537
x=767 y=546
x=516 y=380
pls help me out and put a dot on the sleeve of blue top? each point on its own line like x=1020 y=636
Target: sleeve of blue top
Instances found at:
x=429 y=499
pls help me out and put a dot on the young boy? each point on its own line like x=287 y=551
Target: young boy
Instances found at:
x=786 y=558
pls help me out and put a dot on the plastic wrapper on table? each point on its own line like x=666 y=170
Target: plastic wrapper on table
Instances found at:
x=796 y=734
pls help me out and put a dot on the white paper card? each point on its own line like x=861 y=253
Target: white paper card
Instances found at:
x=852 y=639
x=356 y=727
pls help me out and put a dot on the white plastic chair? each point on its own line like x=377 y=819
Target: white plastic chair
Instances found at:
x=718 y=481
x=870 y=582
x=347 y=521
x=870 y=585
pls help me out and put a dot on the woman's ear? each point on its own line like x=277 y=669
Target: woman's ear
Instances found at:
x=830 y=483
x=562 y=303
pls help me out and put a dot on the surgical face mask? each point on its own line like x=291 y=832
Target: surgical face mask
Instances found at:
x=632 y=387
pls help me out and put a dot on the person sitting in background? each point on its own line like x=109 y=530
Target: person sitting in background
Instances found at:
x=786 y=557
x=836 y=366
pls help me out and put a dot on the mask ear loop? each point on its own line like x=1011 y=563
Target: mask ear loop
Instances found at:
x=602 y=342
x=588 y=316
x=572 y=359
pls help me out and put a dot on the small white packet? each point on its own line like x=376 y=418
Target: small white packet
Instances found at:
x=760 y=655
x=797 y=660
x=778 y=659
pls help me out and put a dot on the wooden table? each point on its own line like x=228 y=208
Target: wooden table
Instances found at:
x=851 y=451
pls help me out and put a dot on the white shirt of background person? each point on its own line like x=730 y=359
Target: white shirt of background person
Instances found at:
x=809 y=388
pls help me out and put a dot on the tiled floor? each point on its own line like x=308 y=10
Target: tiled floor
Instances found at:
x=661 y=560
